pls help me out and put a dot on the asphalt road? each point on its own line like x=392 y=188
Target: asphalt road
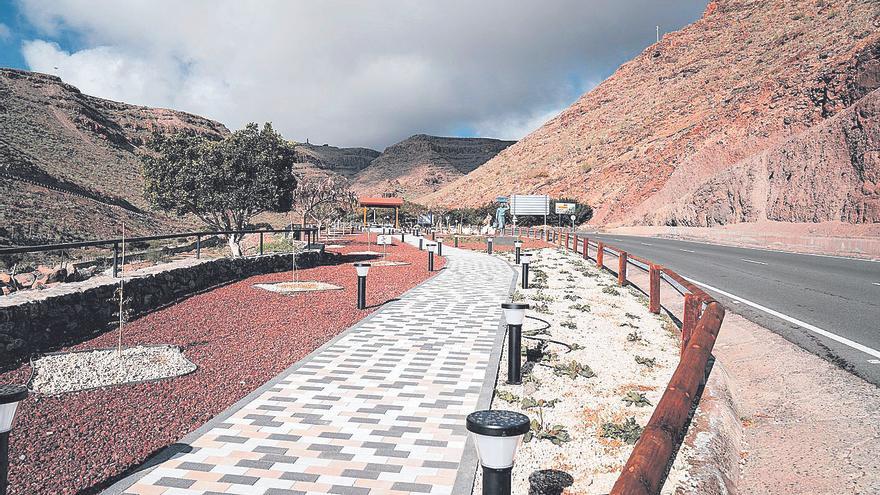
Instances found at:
x=812 y=296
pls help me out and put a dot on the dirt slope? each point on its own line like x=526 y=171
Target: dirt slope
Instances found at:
x=422 y=164
x=69 y=165
x=730 y=119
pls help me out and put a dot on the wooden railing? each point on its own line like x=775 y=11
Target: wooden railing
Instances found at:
x=646 y=469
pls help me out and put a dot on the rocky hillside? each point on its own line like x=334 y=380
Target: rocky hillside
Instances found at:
x=330 y=160
x=422 y=164
x=69 y=162
x=760 y=110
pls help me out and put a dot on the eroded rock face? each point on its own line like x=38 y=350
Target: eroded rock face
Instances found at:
x=422 y=164
x=731 y=119
x=329 y=160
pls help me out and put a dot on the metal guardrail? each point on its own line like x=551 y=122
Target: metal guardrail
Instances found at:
x=646 y=469
x=310 y=232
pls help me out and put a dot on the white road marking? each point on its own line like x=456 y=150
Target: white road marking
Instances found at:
x=687 y=250
x=825 y=333
x=753 y=261
x=875 y=283
x=646 y=244
x=874 y=361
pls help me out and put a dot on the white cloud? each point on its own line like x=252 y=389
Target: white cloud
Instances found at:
x=5 y=32
x=349 y=73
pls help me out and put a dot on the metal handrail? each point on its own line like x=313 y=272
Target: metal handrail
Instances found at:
x=108 y=242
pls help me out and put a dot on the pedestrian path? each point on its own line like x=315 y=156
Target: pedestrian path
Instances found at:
x=381 y=409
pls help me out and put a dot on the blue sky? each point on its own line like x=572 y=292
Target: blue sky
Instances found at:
x=341 y=72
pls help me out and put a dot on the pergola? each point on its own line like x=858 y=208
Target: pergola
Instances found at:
x=396 y=203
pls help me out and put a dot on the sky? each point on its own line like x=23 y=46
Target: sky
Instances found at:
x=343 y=72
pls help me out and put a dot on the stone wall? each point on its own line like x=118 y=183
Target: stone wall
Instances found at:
x=37 y=321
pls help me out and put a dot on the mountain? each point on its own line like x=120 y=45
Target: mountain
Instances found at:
x=422 y=164
x=325 y=160
x=69 y=162
x=760 y=110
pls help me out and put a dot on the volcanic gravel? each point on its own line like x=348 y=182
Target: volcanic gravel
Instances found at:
x=73 y=371
x=239 y=336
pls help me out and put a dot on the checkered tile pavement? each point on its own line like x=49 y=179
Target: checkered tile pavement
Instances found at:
x=381 y=410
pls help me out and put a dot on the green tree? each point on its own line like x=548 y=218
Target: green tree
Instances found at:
x=223 y=182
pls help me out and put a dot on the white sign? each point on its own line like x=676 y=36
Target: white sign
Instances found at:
x=563 y=208
x=523 y=204
x=383 y=240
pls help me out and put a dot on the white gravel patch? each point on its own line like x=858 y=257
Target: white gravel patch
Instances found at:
x=294 y=287
x=609 y=327
x=74 y=371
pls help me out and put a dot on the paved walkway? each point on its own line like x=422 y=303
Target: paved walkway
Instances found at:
x=380 y=409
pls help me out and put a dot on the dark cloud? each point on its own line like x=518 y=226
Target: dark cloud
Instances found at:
x=350 y=72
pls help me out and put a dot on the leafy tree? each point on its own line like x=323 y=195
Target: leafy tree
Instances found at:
x=223 y=182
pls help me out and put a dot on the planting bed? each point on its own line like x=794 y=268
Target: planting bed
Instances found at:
x=591 y=391
x=238 y=336
x=478 y=243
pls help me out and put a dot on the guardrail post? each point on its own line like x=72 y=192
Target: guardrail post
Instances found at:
x=654 y=291
x=689 y=318
x=621 y=268
x=600 y=255
x=198 y=246
x=586 y=248
x=261 y=243
x=574 y=245
x=115 y=259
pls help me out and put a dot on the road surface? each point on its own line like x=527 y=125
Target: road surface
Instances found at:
x=827 y=305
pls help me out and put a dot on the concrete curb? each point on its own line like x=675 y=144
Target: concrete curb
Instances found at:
x=714 y=439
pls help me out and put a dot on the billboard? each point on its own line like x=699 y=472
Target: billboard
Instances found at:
x=524 y=204
x=565 y=208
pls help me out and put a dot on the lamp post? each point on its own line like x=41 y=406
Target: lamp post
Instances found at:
x=432 y=247
x=497 y=434
x=514 y=313
x=489 y=241
x=362 y=270
x=525 y=259
x=517 y=246
x=10 y=396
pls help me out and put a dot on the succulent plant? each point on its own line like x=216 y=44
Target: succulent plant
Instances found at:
x=573 y=369
x=646 y=361
x=629 y=431
x=635 y=398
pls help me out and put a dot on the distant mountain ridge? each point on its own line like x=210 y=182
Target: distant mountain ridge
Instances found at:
x=422 y=164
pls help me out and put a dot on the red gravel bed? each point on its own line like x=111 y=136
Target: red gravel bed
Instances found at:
x=238 y=335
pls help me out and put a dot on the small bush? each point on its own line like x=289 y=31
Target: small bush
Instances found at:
x=629 y=431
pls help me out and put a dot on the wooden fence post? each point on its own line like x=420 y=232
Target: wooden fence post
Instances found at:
x=574 y=245
x=621 y=268
x=600 y=255
x=689 y=319
x=586 y=248
x=654 y=292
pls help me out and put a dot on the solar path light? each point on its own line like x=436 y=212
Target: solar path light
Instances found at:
x=489 y=242
x=497 y=434
x=362 y=270
x=514 y=313
x=432 y=248
x=10 y=396
x=421 y=243
x=440 y=247
x=517 y=246
x=525 y=259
